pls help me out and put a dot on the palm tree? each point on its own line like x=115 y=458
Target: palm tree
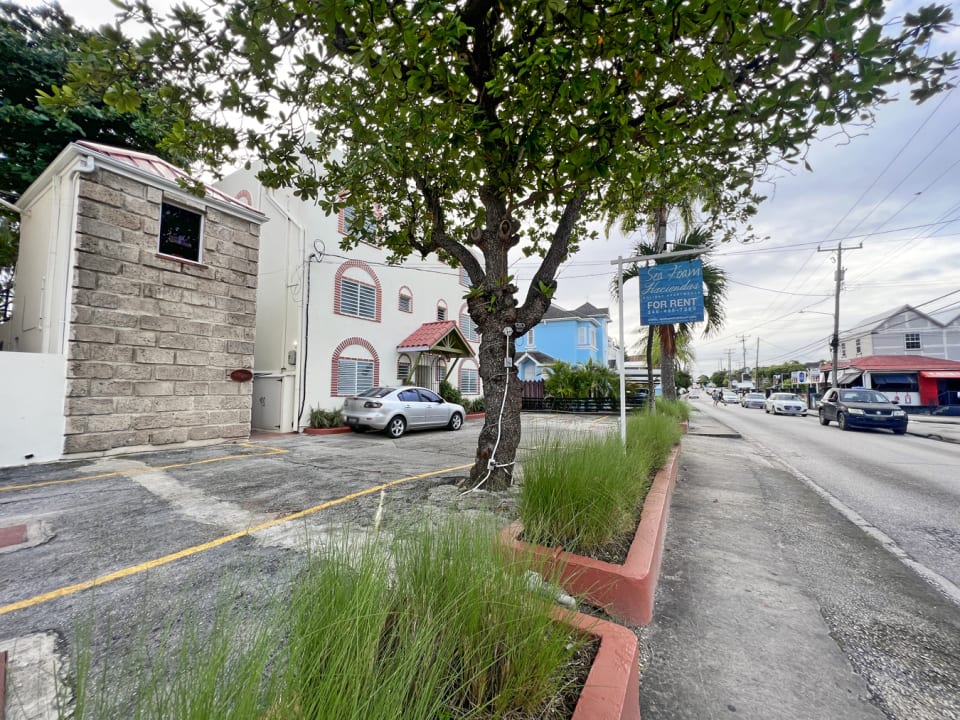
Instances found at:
x=715 y=291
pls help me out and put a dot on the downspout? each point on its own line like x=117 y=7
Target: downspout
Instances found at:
x=85 y=167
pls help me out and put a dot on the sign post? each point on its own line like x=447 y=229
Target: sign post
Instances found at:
x=682 y=286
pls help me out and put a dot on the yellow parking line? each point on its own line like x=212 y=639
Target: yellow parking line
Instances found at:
x=186 y=552
x=133 y=471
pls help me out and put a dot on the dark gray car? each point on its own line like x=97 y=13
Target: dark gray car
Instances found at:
x=860 y=407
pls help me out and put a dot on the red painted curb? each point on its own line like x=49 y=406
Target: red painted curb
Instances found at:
x=624 y=591
x=13 y=535
x=612 y=689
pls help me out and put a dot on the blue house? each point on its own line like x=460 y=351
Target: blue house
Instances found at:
x=573 y=336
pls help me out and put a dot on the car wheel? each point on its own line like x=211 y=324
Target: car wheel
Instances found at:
x=396 y=427
x=456 y=422
x=842 y=421
x=899 y=431
x=823 y=419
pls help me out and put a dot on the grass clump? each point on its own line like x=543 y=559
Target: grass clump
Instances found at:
x=439 y=623
x=586 y=494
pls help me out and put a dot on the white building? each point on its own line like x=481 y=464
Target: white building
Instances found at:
x=331 y=323
x=904 y=331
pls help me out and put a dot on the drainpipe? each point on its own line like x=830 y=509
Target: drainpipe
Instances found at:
x=86 y=166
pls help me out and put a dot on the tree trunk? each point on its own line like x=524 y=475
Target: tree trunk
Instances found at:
x=502 y=396
x=492 y=304
x=668 y=362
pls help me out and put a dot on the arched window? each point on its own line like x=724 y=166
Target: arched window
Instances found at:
x=355 y=367
x=357 y=291
x=405 y=300
x=403 y=367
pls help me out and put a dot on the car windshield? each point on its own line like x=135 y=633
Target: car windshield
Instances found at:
x=863 y=396
x=754 y=396
x=785 y=396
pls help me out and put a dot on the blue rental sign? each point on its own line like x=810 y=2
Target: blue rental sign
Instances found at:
x=671 y=293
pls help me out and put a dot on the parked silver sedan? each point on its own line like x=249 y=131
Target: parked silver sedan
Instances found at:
x=786 y=404
x=398 y=409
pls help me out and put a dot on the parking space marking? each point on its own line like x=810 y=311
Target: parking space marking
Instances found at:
x=187 y=552
x=131 y=471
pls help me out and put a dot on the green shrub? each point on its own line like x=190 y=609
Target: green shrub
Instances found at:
x=476 y=405
x=449 y=393
x=320 y=418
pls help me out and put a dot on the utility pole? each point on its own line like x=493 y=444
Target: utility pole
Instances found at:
x=743 y=342
x=835 y=340
x=756 y=368
x=729 y=363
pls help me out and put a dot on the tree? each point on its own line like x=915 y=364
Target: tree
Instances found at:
x=36 y=46
x=477 y=128
x=669 y=337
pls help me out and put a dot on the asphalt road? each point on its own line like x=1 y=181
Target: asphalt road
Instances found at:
x=905 y=488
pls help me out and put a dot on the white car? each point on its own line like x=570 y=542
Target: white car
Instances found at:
x=694 y=394
x=730 y=397
x=397 y=409
x=785 y=404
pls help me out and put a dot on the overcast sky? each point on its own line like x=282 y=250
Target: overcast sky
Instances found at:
x=895 y=190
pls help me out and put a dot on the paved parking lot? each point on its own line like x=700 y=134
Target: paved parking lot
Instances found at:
x=135 y=537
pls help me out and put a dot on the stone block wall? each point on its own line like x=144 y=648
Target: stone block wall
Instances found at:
x=153 y=339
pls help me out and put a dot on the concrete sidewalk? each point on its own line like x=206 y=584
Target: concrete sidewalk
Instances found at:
x=772 y=606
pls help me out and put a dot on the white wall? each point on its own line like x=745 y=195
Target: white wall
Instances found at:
x=32 y=387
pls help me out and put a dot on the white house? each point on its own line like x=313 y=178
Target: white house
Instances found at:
x=331 y=323
x=904 y=331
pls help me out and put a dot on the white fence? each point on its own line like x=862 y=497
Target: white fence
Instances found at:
x=32 y=389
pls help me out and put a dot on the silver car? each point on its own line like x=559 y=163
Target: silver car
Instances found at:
x=398 y=409
x=786 y=403
x=752 y=400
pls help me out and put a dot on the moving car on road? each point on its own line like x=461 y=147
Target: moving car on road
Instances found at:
x=730 y=397
x=860 y=407
x=397 y=409
x=752 y=400
x=785 y=404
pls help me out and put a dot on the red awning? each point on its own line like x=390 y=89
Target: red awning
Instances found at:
x=940 y=374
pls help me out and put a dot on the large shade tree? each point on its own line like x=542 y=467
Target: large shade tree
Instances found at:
x=483 y=128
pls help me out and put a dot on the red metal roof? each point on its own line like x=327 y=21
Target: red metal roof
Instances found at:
x=159 y=167
x=427 y=335
x=876 y=363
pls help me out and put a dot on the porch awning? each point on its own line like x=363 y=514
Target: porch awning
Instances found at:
x=849 y=376
x=940 y=374
x=440 y=338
